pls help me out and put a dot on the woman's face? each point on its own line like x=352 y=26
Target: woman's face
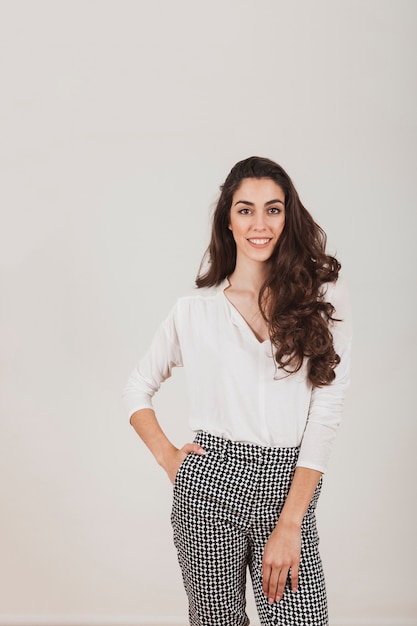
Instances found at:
x=257 y=218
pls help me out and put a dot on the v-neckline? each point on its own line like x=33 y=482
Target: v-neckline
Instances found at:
x=235 y=311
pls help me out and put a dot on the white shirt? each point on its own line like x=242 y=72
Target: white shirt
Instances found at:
x=235 y=389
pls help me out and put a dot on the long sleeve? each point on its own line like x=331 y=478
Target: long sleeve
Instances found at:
x=326 y=404
x=156 y=366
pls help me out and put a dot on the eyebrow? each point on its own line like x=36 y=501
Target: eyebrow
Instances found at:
x=253 y=204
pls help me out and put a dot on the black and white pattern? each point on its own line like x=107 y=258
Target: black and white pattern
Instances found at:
x=226 y=504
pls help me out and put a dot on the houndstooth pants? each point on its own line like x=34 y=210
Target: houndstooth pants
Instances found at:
x=225 y=505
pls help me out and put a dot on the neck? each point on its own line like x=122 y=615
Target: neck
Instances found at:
x=248 y=276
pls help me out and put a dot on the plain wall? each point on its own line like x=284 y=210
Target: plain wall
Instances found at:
x=119 y=121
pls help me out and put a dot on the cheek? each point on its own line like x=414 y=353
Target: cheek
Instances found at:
x=235 y=227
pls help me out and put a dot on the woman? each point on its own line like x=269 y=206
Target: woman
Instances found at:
x=265 y=341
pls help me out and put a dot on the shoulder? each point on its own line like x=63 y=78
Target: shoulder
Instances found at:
x=199 y=299
x=201 y=295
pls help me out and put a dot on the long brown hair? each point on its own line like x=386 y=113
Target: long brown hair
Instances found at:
x=297 y=315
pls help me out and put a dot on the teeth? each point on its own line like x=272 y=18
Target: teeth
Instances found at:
x=259 y=241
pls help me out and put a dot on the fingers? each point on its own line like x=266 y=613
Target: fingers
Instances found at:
x=274 y=579
x=294 y=578
x=273 y=583
x=173 y=461
x=280 y=558
x=283 y=577
x=193 y=447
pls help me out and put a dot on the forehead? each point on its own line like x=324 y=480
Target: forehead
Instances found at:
x=260 y=189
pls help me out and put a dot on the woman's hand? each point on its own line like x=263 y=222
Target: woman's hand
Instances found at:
x=175 y=457
x=281 y=554
x=166 y=454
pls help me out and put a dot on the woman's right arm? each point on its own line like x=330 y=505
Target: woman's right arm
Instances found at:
x=144 y=381
x=166 y=454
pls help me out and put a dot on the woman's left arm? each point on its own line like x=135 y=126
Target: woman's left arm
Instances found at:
x=283 y=548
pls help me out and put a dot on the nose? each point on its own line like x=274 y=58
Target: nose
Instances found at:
x=259 y=221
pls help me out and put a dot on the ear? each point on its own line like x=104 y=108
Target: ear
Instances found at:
x=230 y=227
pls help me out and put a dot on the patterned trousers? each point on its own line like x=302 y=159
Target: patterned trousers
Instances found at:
x=225 y=505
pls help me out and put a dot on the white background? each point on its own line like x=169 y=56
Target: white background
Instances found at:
x=119 y=120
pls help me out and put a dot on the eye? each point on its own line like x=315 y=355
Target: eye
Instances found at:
x=274 y=210
x=244 y=211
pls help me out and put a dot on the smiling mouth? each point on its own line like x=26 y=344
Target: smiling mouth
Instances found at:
x=259 y=242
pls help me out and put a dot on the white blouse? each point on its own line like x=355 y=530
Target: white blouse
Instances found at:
x=235 y=389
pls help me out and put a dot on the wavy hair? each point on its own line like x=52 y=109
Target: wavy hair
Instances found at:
x=291 y=299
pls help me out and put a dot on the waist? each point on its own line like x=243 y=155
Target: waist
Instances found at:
x=248 y=452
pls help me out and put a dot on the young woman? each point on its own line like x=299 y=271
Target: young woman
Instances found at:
x=265 y=340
